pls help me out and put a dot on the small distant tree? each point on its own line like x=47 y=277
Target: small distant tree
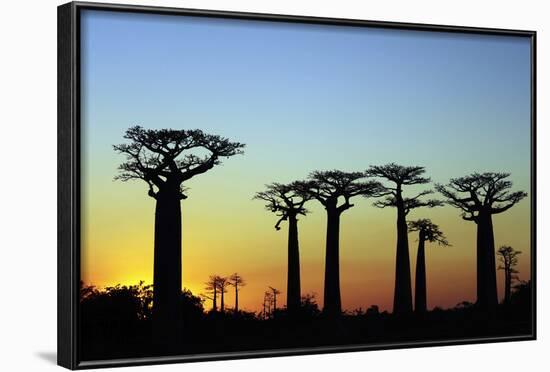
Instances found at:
x=274 y=292
x=268 y=300
x=211 y=287
x=480 y=196
x=400 y=176
x=222 y=283
x=427 y=232
x=287 y=202
x=237 y=282
x=508 y=258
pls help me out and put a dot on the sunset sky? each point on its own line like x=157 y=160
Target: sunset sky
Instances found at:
x=302 y=98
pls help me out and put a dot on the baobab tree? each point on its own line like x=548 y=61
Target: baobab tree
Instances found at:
x=508 y=258
x=237 y=282
x=400 y=176
x=222 y=283
x=334 y=190
x=427 y=232
x=480 y=196
x=164 y=159
x=287 y=202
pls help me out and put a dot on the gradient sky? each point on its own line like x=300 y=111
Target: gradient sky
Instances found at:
x=302 y=98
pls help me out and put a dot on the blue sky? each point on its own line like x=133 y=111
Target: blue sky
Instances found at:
x=384 y=93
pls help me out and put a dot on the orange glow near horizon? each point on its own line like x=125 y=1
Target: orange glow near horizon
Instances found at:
x=117 y=248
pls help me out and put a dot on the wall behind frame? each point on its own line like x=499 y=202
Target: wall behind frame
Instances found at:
x=28 y=187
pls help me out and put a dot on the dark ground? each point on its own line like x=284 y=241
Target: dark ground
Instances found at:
x=116 y=323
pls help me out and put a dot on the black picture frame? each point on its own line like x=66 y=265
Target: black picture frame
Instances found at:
x=69 y=179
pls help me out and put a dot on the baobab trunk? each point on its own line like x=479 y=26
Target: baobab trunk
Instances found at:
x=507 y=285
x=236 y=299
x=420 y=305
x=487 y=298
x=332 y=303
x=222 y=305
x=215 y=300
x=293 y=279
x=491 y=270
x=402 y=300
x=167 y=269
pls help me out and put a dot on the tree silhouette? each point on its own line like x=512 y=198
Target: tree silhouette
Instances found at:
x=237 y=282
x=287 y=202
x=274 y=292
x=400 y=176
x=479 y=196
x=222 y=284
x=427 y=232
x=268 y=300
x=329 y=188
x=212 y=291
x=164 y=160
x=508 y=258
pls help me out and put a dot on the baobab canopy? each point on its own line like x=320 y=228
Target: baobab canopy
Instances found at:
x=164 y=157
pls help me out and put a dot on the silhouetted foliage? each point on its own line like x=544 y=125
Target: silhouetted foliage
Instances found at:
x=334 y=190
x=427 y=232
x=508 y=258
x=287 y=202
x=521 y=298
x=400 y=176
x=116 y=323
x=164 y=159
x=308 y=306
x=479 y=196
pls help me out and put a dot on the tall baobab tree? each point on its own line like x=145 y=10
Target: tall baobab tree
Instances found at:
x=427 y=232
x=508 y=258
x=274 y=292
x=222 y=283
x=400 y=176
x=287 y=202
x=334 y=190
x=480 y=196
x=237 y=282
x=164 y=159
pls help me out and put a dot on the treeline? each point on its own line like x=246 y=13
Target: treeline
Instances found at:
x=478 y=196
x=117 y=322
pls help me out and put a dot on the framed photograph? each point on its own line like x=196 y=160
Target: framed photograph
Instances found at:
x=235 y=185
